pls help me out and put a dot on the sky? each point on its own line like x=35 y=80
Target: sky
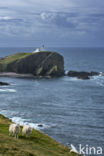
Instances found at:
x=60 y=23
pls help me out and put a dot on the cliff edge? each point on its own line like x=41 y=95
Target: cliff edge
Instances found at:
x=38 y=144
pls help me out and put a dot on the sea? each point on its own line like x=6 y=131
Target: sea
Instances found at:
x=70 y=110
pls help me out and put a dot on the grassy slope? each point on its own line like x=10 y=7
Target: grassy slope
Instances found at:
x=12 y=58
x=38 y=144
x=15 y=57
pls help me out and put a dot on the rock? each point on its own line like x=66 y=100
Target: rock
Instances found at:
x=79 y=75
x=3 y=84
x=39 y=64
x=40 y=125
x=94 y=73
x=82 y=75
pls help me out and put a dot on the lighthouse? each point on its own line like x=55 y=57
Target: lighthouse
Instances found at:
x=39 y=49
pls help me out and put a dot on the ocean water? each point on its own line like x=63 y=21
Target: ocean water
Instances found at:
x=71 y=110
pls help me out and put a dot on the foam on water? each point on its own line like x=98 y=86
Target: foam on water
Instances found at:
x=23 y=122
x=8 y=90
x=99 y=80
x=66 y=72
x=7 y=113
x=66 y=78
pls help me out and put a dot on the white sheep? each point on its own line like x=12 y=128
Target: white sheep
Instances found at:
x=14 y=129
x=27 y=130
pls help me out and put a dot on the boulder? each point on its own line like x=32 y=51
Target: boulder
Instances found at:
x=3 y=84
x=40 y=125
x=38 y=64
x=94 y=73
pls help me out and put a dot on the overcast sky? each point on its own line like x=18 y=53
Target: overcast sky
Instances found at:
x=52 y=22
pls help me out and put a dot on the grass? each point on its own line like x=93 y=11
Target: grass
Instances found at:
x=38 y=144
x=13 y=58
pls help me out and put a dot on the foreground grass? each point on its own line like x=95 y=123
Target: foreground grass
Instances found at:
x=38 y=144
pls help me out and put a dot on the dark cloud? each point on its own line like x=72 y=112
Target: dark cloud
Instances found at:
x=65 y=20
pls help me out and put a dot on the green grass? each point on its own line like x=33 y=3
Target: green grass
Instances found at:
x=38 y=144
x=14 y=57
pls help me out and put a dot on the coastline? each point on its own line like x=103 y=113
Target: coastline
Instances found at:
x=38 y=144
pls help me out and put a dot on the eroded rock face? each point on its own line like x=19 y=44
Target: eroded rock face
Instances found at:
x=38 y=64
x=82 y=75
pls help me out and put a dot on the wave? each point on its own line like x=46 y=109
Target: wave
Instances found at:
x=23 y=122
x=67 y=78
x=8 y=90
x=99 y=80
x=66 y=72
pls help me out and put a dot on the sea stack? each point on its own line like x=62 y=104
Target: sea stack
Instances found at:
x=37 y=64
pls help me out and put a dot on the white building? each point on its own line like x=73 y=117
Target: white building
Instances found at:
x=39 y=49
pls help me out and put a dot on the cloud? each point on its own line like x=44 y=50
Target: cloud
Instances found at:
x=56 y=20
x=5 y=18
x=77 y=20
x=3 y=7
x=60 y=19
x=8 y=19
x=38 y=5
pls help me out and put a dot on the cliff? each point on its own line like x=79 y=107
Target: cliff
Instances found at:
x=37 y=64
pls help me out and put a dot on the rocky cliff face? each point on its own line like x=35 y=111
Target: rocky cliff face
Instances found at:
x=38 y=64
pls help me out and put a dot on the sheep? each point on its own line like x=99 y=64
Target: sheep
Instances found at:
x=27 y=130
x=14 y=129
